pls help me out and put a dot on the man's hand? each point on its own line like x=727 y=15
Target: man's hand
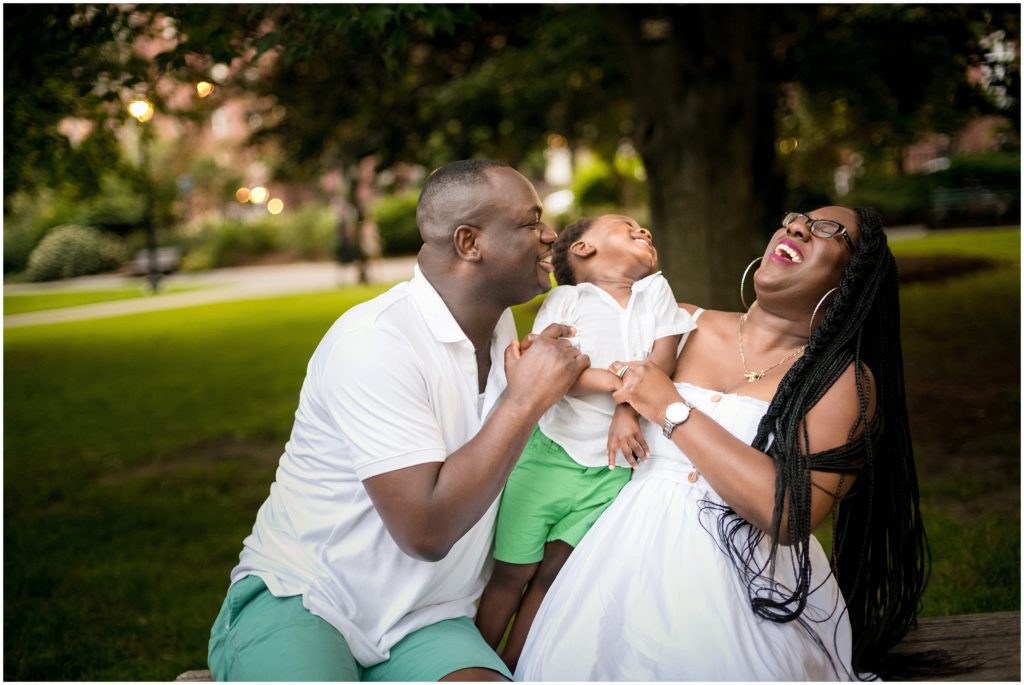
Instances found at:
x=625 y=435
x=542 y=367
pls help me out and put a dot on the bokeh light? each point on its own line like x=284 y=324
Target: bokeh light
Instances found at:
x=242 y=194
x=258 y=195
x=275 y=206
x=141 y=110
x=204 y=88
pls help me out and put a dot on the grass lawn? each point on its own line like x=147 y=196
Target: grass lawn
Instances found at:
x=34 y=302
x=138 y=449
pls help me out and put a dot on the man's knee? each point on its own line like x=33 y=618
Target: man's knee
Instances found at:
x=475 y=675
x=263 y=637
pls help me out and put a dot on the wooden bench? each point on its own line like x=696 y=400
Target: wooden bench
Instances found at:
x=986 y=647
x=168 y=259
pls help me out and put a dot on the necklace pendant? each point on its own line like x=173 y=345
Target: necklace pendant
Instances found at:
x=752 y=376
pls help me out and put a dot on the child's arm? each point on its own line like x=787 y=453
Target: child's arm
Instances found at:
x=625 y=433
x=664 y=353
x=595 y=381
x=602 y=380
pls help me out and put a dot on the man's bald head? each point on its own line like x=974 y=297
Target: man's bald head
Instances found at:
x=451 y=197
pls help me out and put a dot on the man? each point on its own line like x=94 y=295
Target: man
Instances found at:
x=366 y=559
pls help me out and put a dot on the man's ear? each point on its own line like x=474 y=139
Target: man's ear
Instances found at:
x=467 y=242
x=582 y=249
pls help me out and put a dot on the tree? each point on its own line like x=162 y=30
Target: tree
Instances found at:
x=62 y=61
x=698 y=88
x=709 y=82
x=703 y=92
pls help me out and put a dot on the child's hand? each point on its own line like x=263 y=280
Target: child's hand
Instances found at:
x=626 y=436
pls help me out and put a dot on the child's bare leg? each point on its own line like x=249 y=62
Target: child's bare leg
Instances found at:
x=501 y=599
x=556 y=553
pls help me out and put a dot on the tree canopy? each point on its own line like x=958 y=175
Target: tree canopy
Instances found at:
x=704 y=92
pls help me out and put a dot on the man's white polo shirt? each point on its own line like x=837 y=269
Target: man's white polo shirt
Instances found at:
x=392 y=384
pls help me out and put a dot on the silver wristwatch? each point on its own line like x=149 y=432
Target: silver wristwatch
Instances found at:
x=675 y=414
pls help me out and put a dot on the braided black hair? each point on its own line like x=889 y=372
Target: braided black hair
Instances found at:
x=880 y=554
x=573 y=232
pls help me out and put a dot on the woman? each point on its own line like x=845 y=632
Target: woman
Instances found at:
x=706 y=566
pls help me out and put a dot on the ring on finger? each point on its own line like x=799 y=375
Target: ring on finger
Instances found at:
x=622 y=372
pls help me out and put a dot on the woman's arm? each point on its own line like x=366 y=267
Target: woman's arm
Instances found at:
x=743 y=476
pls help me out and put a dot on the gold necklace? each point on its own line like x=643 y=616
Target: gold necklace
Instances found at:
x=752 y=376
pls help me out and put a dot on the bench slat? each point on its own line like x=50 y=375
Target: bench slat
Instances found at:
x=986 y=645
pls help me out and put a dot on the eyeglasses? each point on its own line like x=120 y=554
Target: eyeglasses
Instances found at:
x=823 y=228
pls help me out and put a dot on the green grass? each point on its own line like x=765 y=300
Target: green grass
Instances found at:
x=961 y=346
x=33 y=302
x=138 y=449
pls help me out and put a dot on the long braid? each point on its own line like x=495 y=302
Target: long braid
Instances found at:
x=879 y=550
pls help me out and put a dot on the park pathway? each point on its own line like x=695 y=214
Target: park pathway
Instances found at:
x=239 y=283
x=217 y=285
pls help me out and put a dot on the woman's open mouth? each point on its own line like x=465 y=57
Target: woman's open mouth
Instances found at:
x=787 y=253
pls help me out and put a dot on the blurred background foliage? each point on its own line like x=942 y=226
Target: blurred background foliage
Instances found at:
x=303 y=132
x=705 y=121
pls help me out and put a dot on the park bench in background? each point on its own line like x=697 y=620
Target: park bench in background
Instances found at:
x=984 y=647
x=960 y=206
x=168 y=259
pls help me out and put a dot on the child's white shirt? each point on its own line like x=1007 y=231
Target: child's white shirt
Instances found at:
x=606 y=333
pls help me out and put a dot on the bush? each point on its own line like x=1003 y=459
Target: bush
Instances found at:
x=308 y=232
x=230 y=242
x=980 y=189
x=396 y=221
x=70 y=250
x=31 y=216
x=595 y=184
x=305 y=233
x=900 y=199
x=119 y=207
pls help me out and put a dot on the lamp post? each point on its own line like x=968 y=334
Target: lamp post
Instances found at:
x=142 y=111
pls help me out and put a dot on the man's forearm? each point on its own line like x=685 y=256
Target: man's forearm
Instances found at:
x=430 y=506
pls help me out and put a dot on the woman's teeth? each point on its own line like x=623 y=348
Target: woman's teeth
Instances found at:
x=786 y=252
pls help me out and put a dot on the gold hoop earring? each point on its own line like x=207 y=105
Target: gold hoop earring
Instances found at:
x=810 y=326
x=744 y=280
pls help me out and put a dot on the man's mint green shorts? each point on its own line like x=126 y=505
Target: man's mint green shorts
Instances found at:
x=258 y=636
x=550 y=497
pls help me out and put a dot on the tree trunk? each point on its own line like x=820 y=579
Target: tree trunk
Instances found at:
x=701 y=131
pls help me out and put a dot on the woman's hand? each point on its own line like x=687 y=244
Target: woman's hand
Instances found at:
x=625 y=435
x=646 y=388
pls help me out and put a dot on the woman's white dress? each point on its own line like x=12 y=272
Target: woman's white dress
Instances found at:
x=649 y=594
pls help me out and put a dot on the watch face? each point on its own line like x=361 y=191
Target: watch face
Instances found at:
x=677 y=412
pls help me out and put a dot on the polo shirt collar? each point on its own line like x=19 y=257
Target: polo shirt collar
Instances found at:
x=436 y=313
x=645 y=282
x=637 y=287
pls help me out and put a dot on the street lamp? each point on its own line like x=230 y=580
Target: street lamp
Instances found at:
x=142 y=111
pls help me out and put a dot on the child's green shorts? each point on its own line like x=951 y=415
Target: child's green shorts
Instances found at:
x=551 y=497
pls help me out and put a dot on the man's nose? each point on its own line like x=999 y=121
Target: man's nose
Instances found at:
x=547 y=234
